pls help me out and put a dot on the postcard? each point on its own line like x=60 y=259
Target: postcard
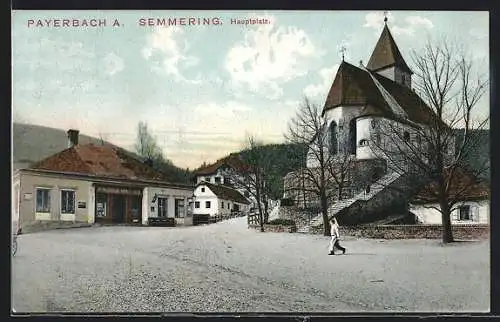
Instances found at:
x=250 y=161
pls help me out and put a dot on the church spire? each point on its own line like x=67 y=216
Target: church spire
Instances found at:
x=386 y=53
x=342 y=51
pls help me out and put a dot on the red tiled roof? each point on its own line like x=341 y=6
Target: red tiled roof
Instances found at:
x=464 y=185
x=226 y=193
x=232 y=161
x=386 y=53
x=100 y=161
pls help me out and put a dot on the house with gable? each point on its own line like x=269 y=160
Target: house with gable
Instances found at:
x=96 y=184
x=229 y=173
x=216 y=199
x=361 y=103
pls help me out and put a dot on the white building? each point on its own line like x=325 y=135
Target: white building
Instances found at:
x=364 y=100
x=472 y=207
x=371 y=112
x=216 y=199
x=230 y=172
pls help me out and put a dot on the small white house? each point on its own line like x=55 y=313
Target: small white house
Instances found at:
x=472 y=208
x=230 y=172
x=212 y=199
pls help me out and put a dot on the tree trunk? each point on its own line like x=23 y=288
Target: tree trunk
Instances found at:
x=324 y=211
x=446 y=222
x=259 y=204
x=266 y=211
x=341 y=189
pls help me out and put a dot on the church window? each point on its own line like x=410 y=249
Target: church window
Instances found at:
x=363 y=142
x=352 y=137
x=333 y=138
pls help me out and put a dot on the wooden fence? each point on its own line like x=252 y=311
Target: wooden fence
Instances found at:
x=207 y=219
x=253 y=220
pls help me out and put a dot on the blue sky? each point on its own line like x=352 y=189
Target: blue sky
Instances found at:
x=203 y=89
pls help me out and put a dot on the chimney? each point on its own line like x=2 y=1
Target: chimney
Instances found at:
x=72 y=137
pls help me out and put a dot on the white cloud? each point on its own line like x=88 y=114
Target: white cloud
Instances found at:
x=113 y=64
x=165 y=42
x=269 y=55
x=375 y=20
x=214 y=110
x=411 y=24
x=419 y=21
x=320 y=90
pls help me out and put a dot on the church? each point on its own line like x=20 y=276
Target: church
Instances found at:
x=361 y=103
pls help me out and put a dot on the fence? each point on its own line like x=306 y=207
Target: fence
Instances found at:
x=253 y=220
x=207 y=219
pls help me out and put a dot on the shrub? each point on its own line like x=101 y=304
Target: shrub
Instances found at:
x=284 y=222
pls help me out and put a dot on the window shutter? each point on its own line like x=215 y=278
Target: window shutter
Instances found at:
x=454 y=215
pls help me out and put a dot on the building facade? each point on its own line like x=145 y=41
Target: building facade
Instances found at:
x=215 y=199
x=96 y=184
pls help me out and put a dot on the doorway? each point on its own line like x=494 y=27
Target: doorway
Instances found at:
x=118 y=209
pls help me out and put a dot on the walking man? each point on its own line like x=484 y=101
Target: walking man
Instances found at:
x=334 y=232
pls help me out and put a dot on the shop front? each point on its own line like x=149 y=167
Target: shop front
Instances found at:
x=118 y=205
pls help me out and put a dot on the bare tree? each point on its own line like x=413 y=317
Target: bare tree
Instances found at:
x=146 y=145
x=451 y=90
x=252 y=177
x=340 y=167
x=327 y=171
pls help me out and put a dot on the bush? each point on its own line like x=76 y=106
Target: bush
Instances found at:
x=284 y=222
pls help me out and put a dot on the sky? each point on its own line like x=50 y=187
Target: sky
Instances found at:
x=203 y=89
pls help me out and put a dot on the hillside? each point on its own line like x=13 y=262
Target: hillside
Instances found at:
x=284 y=159
x=32 y=143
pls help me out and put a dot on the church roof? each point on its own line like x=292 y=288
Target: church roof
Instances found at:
x=386 y=54
x=361 y=87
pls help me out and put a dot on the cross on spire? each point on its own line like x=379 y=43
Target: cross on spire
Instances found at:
x=385 y=17
x=343 y=50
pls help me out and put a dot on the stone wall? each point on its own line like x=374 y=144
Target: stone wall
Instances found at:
x=276 y=228
x=391 y=200
x=467 y=232
x=367 y=172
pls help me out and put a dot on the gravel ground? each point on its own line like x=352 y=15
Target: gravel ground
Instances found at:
x=226 y=267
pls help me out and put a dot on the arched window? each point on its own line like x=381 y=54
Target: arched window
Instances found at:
x=363 y=142
x=333 y=144
x=352 y=137
x=406 y=136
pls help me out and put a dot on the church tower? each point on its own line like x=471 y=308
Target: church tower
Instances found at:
x=387 y=60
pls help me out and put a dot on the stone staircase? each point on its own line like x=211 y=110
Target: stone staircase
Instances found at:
x=334 y=209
